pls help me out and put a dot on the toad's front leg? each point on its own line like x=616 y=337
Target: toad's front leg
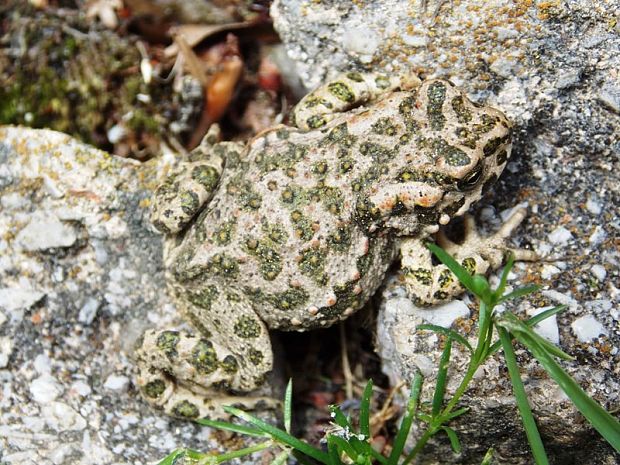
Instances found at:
x=346 y=91
x=429 y=284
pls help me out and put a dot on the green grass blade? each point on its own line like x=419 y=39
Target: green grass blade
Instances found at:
x=504 y=277
x=442 y=377
x=456 y=413
x=597 y=416
x=532 y=322
x=533 y=436
x=446 y=332
x=461 y=273
x=488 y=457
x=342 y=446
x=226 y=426
x=454 y=439
x=235 y=454
x=174 y=456
x=334 y=452
x=281 y=458
x=339 y=418
x=378 y=457
x=519 y=292
x=407 y=421
x=288 y=406
x=365 y=410
x=280 y=435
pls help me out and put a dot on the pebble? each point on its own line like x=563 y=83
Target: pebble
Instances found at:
x=6 y=349
x=88 y=311
x=45 y=231
x=45 y=389
x=599 y=272
x=587 y=328
x=548 y=328
x=598 y=236
x=560 y=236
x=61 y=417
x=593 y=206
x=81 y=388
x=548 y=271
x=17 y=299
x=444 y=315
x=42 y=364
x=116 y=383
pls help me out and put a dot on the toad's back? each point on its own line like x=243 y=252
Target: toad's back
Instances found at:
x=297 y=222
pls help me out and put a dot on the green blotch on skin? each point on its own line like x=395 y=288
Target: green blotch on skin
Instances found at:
x=445 y=278
x=312 y=263
x=204 y=297
x=384 y=126
x=320 y=167
x=204 y=358
x=426 y=215
x=346 y=165
x=492 y=145
x=487 y=123
x=189 y=202
x=382 y=82
x=229 y=365
x=292 y=298
x=355 y=76
x=340 y=239
x=154 y=389
x=502 y=156
x=247 y=327
x=453 y=155
x=223 y=235
x=185 y=409
x=421 y=275
x=341 y=91
x=275 y=233
x=167 y=342
x=223 y=265
x=255 y=356
x=436 y=94
x=270 y=262
x=379 y=153
x=331 y=197
x=207 y=176
x=469 y=264
x=302 y=226
x=339 y=135
x=463 y=115
x=316 y=121
x=314 y=101
x=366 y=214
x=440 y=295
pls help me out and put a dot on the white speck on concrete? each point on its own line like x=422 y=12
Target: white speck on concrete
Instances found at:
x=599 y=272
x=361 y=40
x=593 y=206
x=6 y=349
x=17 y=299
x=45 y=389
x=548 y=328
x=444 y=315
x=415 y=40
x=587 y=328
x=116 y=383
x=560 y=298
x=2 y=319
x=42 y=364
x=88 y=311
x=61 y=417
x=45 y=231
x=548 y=271
x=560 y=236
x=425 y=364
x=81 y=388
x=598 y=236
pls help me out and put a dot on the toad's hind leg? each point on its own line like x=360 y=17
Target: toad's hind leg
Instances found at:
x=346 y=91
x=429 y=284
x=192 y=184
x=194 y=376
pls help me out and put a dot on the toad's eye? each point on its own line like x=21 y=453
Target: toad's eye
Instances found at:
x=470 y=181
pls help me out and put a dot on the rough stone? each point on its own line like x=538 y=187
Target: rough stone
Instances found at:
x=75 y=299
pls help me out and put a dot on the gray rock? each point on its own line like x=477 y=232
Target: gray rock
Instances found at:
x=553 y=68
x=80 y=279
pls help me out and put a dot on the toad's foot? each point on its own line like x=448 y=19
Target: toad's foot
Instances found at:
x=190 y=377
x=429 y=284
